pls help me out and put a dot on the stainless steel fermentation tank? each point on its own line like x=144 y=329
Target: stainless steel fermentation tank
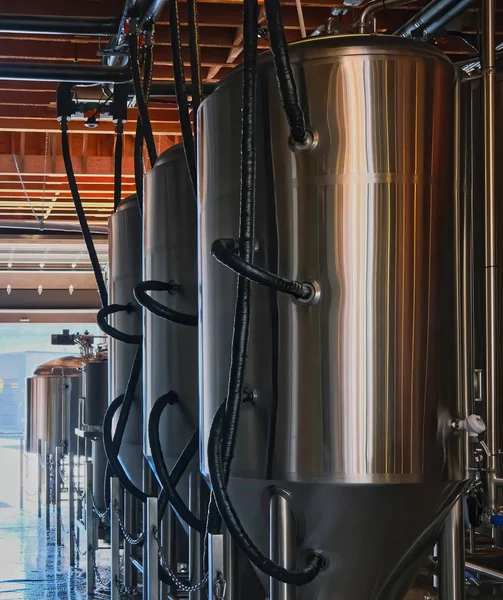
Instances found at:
x=125 y=259
x=170 y=255
x=52 y=404
x=355 y=393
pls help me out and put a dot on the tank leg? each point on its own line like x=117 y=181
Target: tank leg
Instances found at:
x=195 y=562
x=39 y=478
x=71 y=508
x=21 y=474
x=151 y=564
x=130 y=520
x=281 y=544
x=115 y=541
x=58 y=484
x=452 y=556
x=48 y=459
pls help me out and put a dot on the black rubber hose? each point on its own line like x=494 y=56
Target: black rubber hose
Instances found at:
x=86 y=233
x=118 y=163
x=224 y=251
x=299 y=577
x=112 y=449
x=160 y=466
x=101 y=319
x=195 y=56
x=141 y=101
x=181 y=93
x=155 y=307
x=242 y=312
x=284 y=73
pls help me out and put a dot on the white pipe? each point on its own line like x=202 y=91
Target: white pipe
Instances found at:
x=300 y=14
x=63 y=226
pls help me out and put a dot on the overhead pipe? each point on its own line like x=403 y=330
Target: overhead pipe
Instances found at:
x=50 y=226
x=43 y=25
x=434 y=17
x=63 y=73
x=366 y=21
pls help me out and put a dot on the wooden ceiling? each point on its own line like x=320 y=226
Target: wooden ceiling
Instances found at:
x=28 y=125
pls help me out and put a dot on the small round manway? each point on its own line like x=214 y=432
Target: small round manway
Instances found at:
x=65 y=365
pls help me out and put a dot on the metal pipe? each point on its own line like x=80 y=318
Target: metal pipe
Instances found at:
x=153 y=11
x=484 y=571
x=433 y=18
x=281 y=544
x=43 y=25
x=491 y=265
x=452 y=555
x=76 y=73
x=366 y=21
x=50 y=226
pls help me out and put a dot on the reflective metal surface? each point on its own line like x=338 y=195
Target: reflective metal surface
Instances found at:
x=357 y=391
x=125 y=243
x=52 y=404
x=170 y=254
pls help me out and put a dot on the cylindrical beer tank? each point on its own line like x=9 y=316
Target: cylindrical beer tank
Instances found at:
x=170 y=255
x=356 y=390
x=125 y=258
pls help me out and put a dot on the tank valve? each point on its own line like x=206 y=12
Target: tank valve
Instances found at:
x=474 y=425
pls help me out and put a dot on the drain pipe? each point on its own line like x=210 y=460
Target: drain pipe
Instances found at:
x=434 y=17
x=491 y=255
x=43 y=25
x=366 y=21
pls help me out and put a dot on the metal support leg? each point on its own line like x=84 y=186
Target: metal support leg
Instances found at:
x=151 y=565
x=195 y=558
x=222 y=567
x=39 y=478
x=71 y=508
x=58 y=484
x=91 y=546
x=281 y=544
x=130 y=573
x=48 y=459
x=21 y=474
x=452 y=556
x=115 y=541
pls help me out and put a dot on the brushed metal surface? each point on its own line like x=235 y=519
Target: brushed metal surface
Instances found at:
x=359 y=389
x=170 y=254
x=94 y=391
x=125 y=260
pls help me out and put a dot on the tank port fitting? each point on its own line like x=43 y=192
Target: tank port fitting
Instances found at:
x=309 y=143
x=474 y=425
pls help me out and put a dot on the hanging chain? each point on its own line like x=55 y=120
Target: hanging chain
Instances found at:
x=130 y=539
x=97 y=511
x=77 y=544
x=46 y=151
x=180 y=585
x=103 y=583
x=52 y=480
x=28 y=199
x=62 y=524
x=127 y=593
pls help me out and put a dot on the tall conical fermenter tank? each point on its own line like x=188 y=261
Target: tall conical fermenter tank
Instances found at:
x=170 y=348
x=125 y=265
x=355 y=393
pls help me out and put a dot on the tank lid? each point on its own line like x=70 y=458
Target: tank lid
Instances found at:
x=172 y=153
x=128 y=202
x=64 y=366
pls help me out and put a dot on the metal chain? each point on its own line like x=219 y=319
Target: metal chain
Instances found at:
x=62 y=475
x=52 y=481
x=28 y=457
x=77 y=545
x=46 y=152
x=63 y=528
x=42 y=461
x=180 y=585
x=97 y=511
x=126 y=593
x=92 y=552
x=130 y=539
x=28 y=199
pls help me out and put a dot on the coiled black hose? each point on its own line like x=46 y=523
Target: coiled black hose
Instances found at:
x=141 y=100
x=79 y=209
x=299 y=577
x=284 y=73
x=101 y=319
x=181 y=93
x=162 y=311
x=119 y=129
x=112 y=446
x=224 y=251
x=164 y=476
x=195 y=56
